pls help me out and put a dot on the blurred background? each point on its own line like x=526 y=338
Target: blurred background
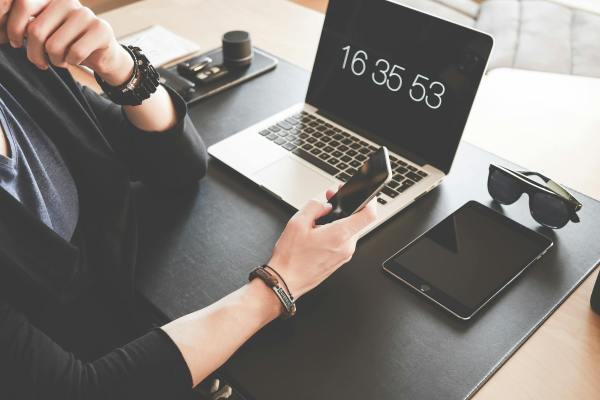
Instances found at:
x=560 y=36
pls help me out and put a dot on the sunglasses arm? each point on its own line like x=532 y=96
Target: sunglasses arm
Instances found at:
x=558 y=189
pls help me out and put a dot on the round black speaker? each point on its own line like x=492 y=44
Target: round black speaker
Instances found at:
x=237 y=49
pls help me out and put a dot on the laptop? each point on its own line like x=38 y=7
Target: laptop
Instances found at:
x=384 y=75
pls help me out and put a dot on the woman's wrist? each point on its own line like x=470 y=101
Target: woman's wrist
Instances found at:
x=265 y=299
x=119 y=70
x=284 y=271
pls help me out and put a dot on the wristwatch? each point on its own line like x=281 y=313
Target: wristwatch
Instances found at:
x=286 y=299
x=139 y=87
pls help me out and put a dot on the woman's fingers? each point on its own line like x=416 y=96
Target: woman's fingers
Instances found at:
x=41 y=28
x=85 y=50
x=72 y=29
x=19 y=16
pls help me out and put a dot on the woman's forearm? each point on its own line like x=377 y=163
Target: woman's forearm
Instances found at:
x=208 y=337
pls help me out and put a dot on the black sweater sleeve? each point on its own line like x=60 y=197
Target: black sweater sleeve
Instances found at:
x=173 y=158
x=32 y=366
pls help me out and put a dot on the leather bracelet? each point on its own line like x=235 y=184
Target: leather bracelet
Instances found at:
x=268 y=267
x=289 y=306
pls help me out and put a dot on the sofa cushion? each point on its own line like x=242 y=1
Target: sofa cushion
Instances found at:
x=462 y=11
x=542 y=35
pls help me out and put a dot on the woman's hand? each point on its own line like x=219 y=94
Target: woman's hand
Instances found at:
x=63 y=32
x=305 y=254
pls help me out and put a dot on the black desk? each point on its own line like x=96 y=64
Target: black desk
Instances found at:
x=361 y=335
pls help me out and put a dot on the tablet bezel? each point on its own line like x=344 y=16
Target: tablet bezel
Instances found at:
x=443 y=299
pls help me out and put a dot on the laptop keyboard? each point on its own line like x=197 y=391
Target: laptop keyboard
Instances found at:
x=337 y=152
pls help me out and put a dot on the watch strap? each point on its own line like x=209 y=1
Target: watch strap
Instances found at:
x=143 y=82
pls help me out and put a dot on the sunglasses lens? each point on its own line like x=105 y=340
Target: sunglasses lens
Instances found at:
x=549 y=210
x=503 y=188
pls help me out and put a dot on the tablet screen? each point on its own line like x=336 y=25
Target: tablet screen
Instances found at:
x=467 y=258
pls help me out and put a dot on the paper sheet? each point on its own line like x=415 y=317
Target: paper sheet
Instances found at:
x=160 y=45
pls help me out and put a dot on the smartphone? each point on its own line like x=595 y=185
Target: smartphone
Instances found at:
x=370 y=178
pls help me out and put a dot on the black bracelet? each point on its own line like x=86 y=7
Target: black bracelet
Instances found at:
x=287 y=289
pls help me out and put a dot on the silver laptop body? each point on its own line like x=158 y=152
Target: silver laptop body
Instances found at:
x=299 y=153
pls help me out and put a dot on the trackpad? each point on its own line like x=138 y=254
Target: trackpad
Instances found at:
x=293 y=181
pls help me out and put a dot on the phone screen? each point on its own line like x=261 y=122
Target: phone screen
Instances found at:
x=361 y=188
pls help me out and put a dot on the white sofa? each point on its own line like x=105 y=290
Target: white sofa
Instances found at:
x=561 y=36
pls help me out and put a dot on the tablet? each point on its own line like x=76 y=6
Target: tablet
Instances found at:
x=467 y=259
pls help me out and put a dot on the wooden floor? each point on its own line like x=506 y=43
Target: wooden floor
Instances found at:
x=318 y=5
x=100 y=6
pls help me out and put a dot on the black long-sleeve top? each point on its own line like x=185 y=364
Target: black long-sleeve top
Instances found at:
x=105 y=153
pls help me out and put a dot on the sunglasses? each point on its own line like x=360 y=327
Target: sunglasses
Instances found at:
x=550 y=204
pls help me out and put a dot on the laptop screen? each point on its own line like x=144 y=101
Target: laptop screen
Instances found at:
x=399 y=77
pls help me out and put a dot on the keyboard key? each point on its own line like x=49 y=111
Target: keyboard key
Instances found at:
x=342 y=165
x=303 y=135
x=291 y=121
x=401 y=170
x=282 y=134
x=393 y=184
x=324 y=156
x=265 y=132
x=316 y=162
x=333 y=161
x=343 y=148
x=315 y=151
x=347 y=141
x=320 y=145
x=389 y=192
x=412 y=168
x=280 y=141
x=402 y=163
x=338 y=136
x=355 y=164
x=346 y=158
x=337 y=154
x=326 y=138
x=422 y=173
x=361 y=157
x=381 y=201
x=330 y=133
x=272 y=136
x=408 y=182
x=334 y=143
x=317 y=135
x=351 y=153
x=328 y=149
x=398 y=178
x=307 y=146
x=321 y=128
x=313 y=124
x=342 y=176
x=297 y=142
x=312 y=140
x=285 y=125
x=309 y=130
x=355 y=146
x=289 y=146
x=351 y=171
x=364 y=150
x=414 y=177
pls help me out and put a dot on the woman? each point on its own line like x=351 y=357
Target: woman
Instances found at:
x=67 y=219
